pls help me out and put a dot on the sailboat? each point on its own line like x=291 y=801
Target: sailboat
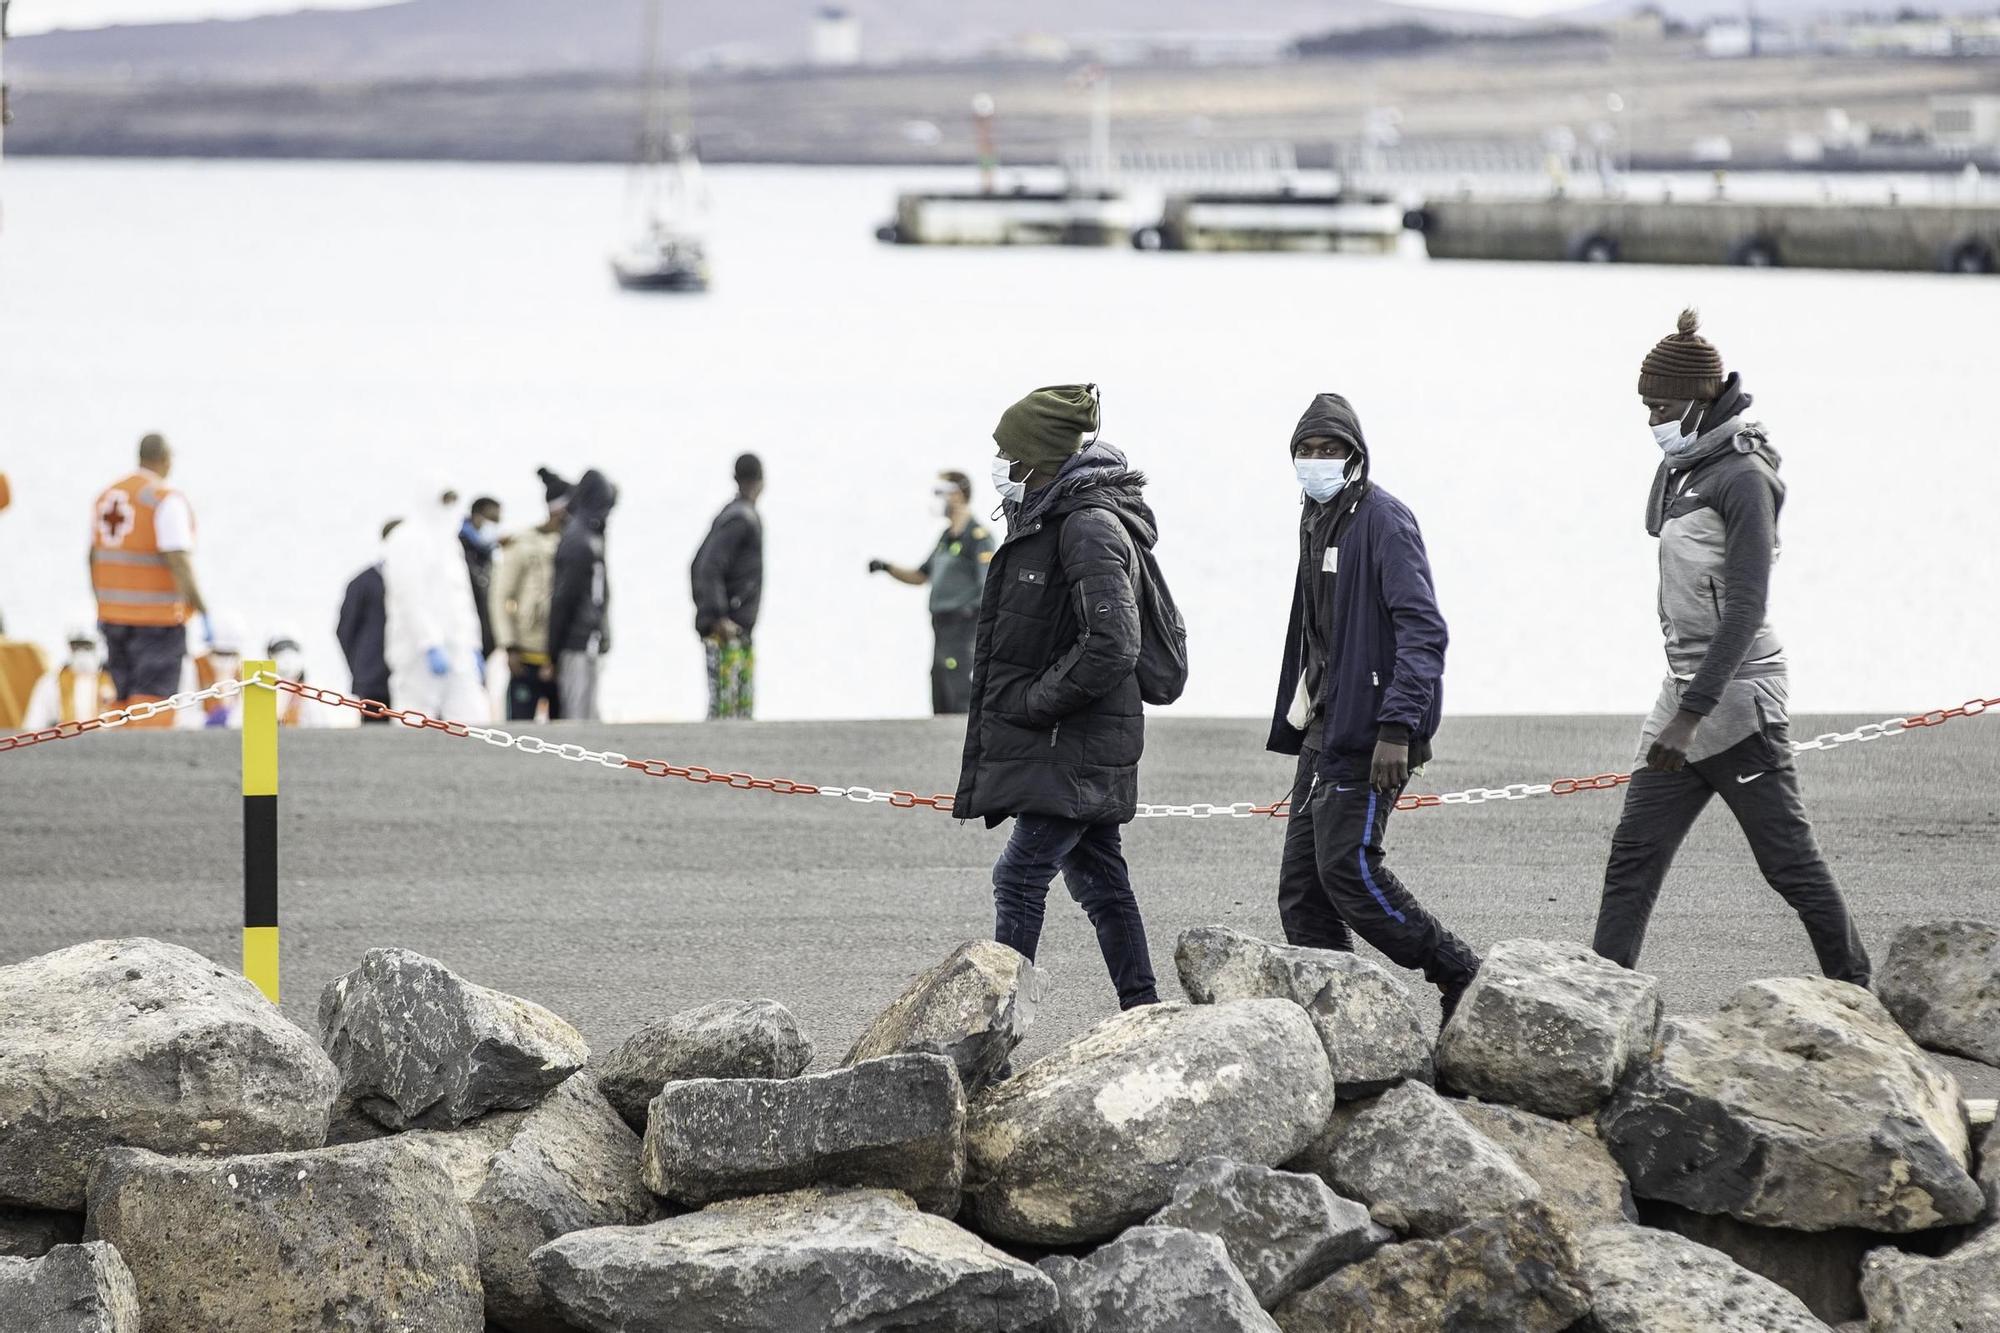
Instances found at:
x=667 y=252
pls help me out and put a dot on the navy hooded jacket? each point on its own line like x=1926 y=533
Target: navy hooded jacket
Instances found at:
x=1384 y=677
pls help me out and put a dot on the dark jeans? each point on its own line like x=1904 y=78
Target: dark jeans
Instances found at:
x=1333 y=883
x=1093 y=868
x=144 y=660
x=1758 y=781
x=526 y=690
x=951 y=661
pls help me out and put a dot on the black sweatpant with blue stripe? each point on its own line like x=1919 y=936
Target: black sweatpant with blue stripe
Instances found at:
x=1334 y=884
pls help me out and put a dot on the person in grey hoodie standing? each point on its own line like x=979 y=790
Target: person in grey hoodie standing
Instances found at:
x=580 y=602
x=1720 y=726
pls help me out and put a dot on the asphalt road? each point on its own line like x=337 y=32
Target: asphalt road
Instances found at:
x=614 y=899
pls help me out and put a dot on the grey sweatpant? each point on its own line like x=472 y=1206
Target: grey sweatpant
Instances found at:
x=576 y=685
x=1757 y=779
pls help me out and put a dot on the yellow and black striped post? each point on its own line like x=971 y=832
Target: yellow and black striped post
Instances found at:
x=260 y=831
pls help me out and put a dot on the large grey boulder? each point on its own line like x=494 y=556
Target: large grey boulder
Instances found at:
x=1646 y=1281
x=1516 y=1272
x=1800 y=1104
x=1373 y=1034
x=419 y=1046
x=528 y=1177
x=1959 y=1293
x=1580 y=1182
x=363 y=1238
x=1821 y=1268
x=149 y=1044
x=1156 y=1279
x=974 y=1007
x=1941 y=980
x=861 y=1260
x=1548 y=1026
x=1095 y=1136
x=30 y=1233
x=72 y=1289
x=730 y=1039
x=894 y=1123
x=1421 y=1169
x=1284 y=1231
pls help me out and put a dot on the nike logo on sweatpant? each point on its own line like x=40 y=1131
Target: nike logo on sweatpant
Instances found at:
x=1752 y=778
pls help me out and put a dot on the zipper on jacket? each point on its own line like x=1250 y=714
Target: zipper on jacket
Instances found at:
x=1054 y=732
x=1375 y=679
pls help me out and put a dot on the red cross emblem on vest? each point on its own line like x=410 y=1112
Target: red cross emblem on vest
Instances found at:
x=114 y=517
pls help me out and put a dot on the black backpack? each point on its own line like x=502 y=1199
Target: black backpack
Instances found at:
x=1163 y=656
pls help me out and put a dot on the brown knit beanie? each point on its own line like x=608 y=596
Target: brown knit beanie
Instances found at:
x=1683 y=366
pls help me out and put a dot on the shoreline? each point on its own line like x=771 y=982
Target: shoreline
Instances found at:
x=613 y=899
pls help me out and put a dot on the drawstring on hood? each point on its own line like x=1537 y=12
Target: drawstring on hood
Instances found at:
x=1721 y=427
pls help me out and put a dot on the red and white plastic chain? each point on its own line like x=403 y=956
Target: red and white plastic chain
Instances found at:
x=898 y=800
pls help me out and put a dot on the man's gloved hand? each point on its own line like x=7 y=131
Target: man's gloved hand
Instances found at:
x=208 y=629
x=435 y=659
x=1390 y=770
x=1669 y=749
x=878 y=566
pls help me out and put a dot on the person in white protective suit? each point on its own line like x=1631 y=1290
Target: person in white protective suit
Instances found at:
x=432 y=640
x=75 y=689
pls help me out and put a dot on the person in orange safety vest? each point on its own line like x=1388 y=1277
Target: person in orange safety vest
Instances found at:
x=142 y=571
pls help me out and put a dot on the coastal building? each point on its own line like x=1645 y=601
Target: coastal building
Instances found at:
x=836 y=37
x=1966 y=124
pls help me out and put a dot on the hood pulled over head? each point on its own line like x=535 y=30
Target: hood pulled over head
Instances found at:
x=1333 y=417
x=592 y=498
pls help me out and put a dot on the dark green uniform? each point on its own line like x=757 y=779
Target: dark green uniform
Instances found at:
x=957 y=571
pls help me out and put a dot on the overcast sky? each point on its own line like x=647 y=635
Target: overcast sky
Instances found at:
x=41 y=15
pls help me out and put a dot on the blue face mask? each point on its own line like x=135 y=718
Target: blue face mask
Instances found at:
x=1322 y=478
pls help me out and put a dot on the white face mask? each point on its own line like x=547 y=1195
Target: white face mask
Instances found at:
x=1322 y=478
x=1013 y=492
x=1668 y=434
x=85 y=662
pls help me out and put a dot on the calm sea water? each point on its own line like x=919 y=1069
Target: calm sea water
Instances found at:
x=319 y=339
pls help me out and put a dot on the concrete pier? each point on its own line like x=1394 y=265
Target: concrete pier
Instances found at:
x=615 y=898
x=1918 y=237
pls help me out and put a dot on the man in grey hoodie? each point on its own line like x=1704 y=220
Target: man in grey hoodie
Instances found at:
x=1720 y=726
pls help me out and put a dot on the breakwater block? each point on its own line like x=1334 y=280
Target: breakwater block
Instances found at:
x=446 y=1157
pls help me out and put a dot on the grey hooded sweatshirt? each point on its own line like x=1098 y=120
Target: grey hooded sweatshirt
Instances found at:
x=1714 y=506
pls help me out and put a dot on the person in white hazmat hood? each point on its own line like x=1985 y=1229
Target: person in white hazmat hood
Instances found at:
x=432 y=642
x=76 y=689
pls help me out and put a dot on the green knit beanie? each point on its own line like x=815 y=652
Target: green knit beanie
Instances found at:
x=1048 y=425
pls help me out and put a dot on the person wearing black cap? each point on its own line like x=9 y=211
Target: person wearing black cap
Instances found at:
x=523 y=585
x=1360 y=692
x=727 y=578
x=1720 y=726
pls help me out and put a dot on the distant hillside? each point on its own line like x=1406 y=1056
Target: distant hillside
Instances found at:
x=1784 y=11
x=444 y=39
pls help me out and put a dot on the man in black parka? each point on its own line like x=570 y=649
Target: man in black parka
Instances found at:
x=1056 y=725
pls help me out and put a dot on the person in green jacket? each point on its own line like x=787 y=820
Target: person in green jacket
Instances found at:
x=955 y=572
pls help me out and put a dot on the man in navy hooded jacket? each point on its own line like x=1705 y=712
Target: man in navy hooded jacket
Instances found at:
x=1359 y=695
